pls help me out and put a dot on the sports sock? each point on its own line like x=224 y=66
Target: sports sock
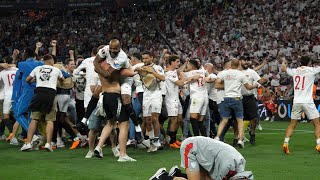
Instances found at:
x=132 y=114
x=245 y=125
x=202 y=128
x=91 y=106
x=318 y=141
x=195 y=126
x=286 y=140
x=151 y=134
x=9 y=123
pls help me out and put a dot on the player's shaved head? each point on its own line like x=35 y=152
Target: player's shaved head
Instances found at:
x=114 y=47
x=235 y=63
x=115 y=43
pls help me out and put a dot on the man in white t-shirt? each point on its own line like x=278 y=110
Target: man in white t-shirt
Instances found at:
x=198 y=96
x=173 y=82
x=44 y=101
x=233 y=79
x=303 y=80
x=152 y=97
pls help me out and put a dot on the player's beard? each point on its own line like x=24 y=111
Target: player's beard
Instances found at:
x=114 y=54
x=244 y=67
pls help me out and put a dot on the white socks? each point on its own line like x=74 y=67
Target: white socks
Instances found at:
x=286 y=140
x=318 y=141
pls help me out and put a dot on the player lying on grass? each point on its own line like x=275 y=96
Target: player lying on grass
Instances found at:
x=208 y=159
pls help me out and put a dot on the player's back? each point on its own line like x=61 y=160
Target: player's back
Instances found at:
x=303 y=80
x=8 y=76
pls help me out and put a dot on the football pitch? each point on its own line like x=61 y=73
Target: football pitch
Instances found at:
x=265 y=159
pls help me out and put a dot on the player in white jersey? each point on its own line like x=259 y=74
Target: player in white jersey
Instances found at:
x=7 y=77
x=233 y=79
x=151 y=74
x=91 y=75
x=303 y=80
x=206 y=158
x=198 y=96
x=44 y=102
x=173 y=105
x=249 y=100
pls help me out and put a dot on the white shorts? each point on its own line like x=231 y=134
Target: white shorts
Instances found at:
x=126 y=89
x=174 y=108
x=7 y=105
x=199 y=105
x=308 y=108
x=63 y=102
x=87 y=96
x=151 y=105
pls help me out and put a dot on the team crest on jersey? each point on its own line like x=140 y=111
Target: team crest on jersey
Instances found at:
x=159 y=70
x=45 y=73
x=116 y=64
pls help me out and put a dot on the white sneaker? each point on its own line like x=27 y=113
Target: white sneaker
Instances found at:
x=48 y=147
x=116 y=152
x=89 y=155
x=272 y=119
x=156 y=143
x=217 y=138
x=168 y=139
x=130 y=141
x=26 y=147
x=259 y=127
x=126 y=158
x=146 y=143
x=14 y=141
x=138 y=128
x=60 y=144
x=3 y=137
x=152 y=148
x=267 y=119
x=98 y=152
x=35 y=138
x=241 y=144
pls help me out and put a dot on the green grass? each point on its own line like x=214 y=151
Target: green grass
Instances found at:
x=265 y=159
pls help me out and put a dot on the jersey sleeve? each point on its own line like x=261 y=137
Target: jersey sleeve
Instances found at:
x=255 y=76
x=316 y=70
x=243 y=78
x=103 y=52
x=159 y=70
x=221 y=75
x=212 y=76
x=172 y=76
x=290 y=71
x=33 y=72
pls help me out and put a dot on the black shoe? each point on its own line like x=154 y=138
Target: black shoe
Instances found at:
x=252 y=138
x=79 y=125
x=161 y=172
x=235 y=143
x=174 y=170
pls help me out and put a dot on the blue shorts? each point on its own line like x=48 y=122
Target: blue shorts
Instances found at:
x=229 y=105
x=95 y=122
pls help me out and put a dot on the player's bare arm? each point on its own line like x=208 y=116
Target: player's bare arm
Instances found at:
x=181 y=80
x=219 y=84
x=30 y=79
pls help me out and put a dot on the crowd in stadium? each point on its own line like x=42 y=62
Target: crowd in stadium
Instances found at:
x=70 y=71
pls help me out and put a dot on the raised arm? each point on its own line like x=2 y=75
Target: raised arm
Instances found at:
x=38 y=46
x=54 y=47
x=257 y=68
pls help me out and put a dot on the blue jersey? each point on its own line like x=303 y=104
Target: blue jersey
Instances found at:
x=25 y=69
x=17 y=88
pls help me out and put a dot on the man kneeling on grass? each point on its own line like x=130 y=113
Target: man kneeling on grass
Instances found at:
x=44 y=102
x=207 y=159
